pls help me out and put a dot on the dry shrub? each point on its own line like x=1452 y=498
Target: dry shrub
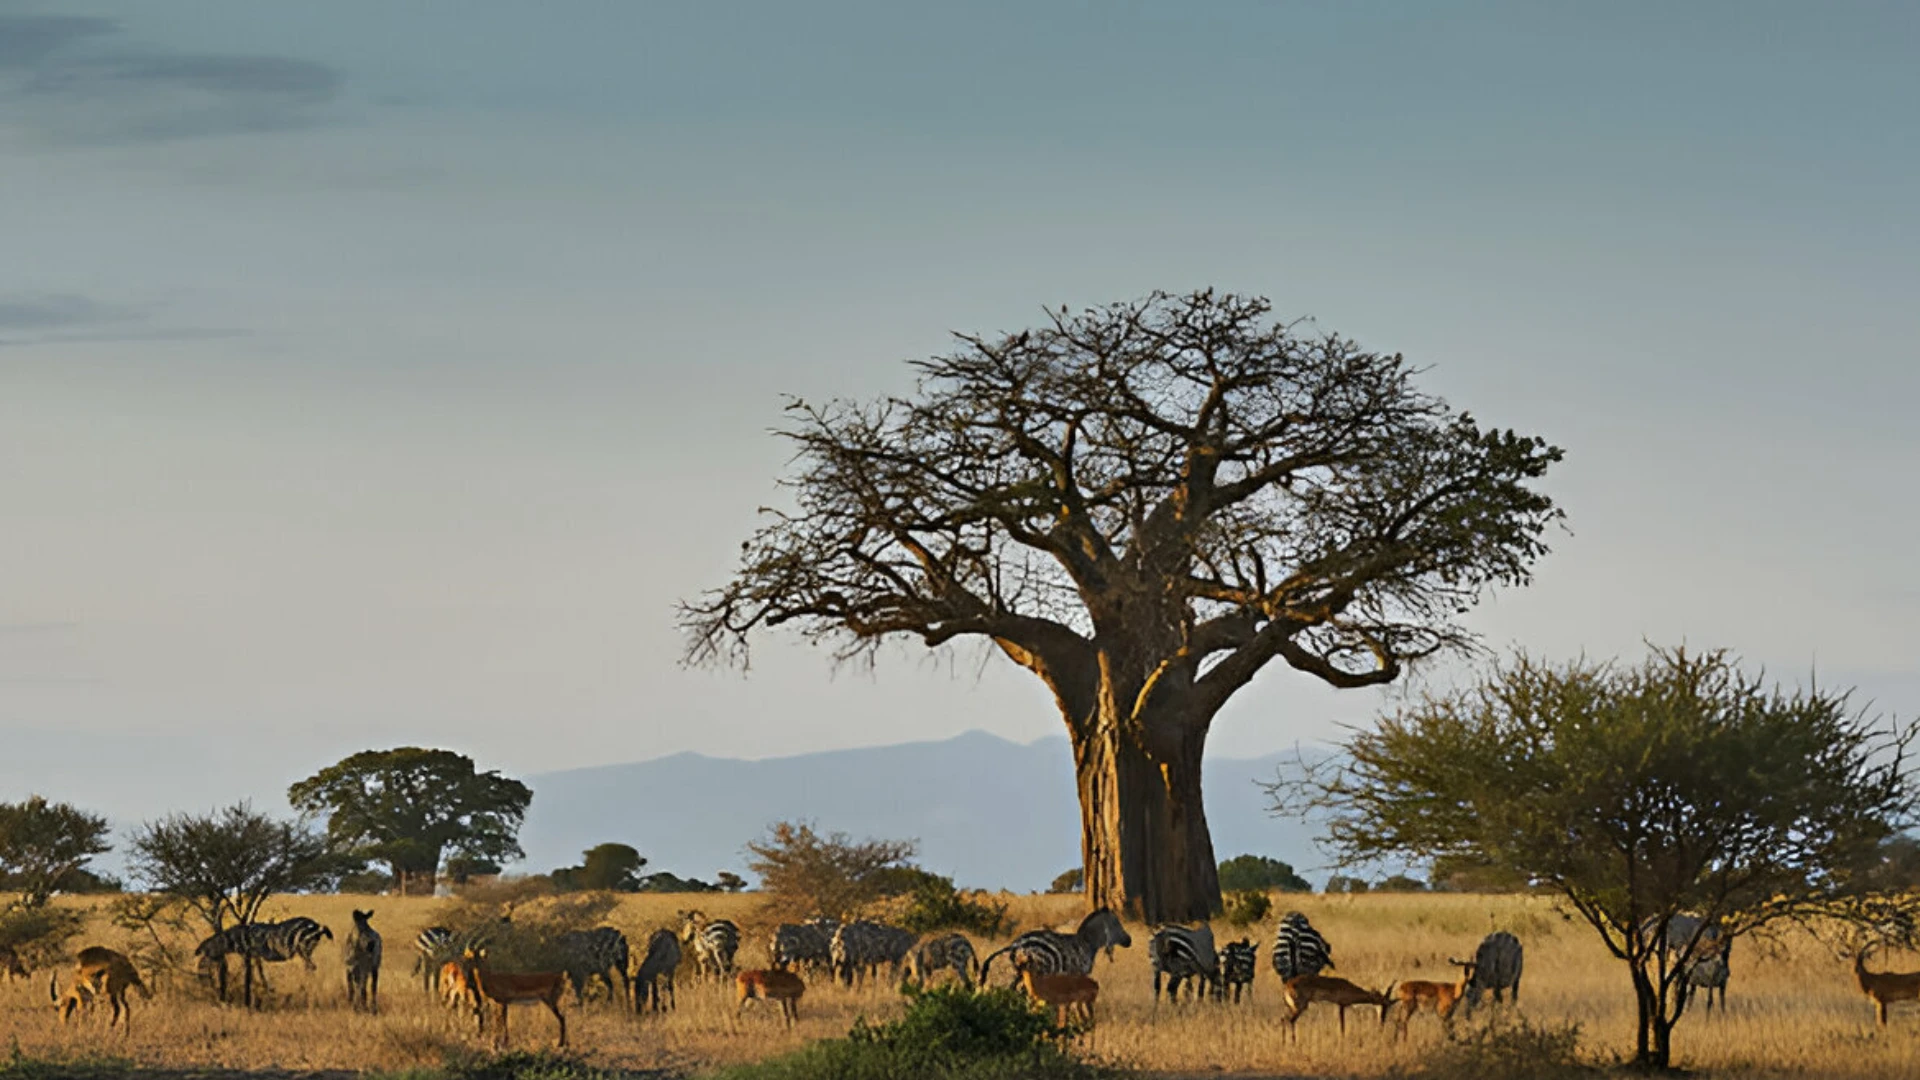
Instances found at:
x=1508 y=1048
x=519 y=933
x=1247 y=907
x=40 y=934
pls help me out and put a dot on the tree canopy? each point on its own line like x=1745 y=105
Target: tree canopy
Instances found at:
x=43 y=843
x=612 y=867
x=408 y=807
x=1144 y=505
x=1259 y=872
x=1681 y=786
x=831 y=875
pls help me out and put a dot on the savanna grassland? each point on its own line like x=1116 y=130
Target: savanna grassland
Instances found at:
x=1793 y=1007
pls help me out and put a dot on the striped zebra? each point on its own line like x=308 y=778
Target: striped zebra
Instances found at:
x=1707 y=973
x=1238 y=960
x=1049 y=952
x=1181 y=954
x=808 y=944
x=662 y=959
x=713 y=942
x=257 y=945
x=1700 y=951
x=1298 y=949
x=363 y=950
x=598 y=953
x=860 y=947
x=930 y=957
x=433 y=948
x=1495 y=967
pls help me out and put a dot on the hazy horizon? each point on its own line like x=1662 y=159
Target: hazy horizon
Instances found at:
x=372 y=375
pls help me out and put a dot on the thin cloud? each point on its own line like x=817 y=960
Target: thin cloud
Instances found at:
x=76 y=81
x=57 y=311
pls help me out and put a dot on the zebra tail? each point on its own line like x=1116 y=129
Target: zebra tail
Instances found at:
x=988 y=962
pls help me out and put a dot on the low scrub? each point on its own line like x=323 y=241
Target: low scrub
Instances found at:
x=1508 y=1049
x=1247 y=907
x=946 y=1034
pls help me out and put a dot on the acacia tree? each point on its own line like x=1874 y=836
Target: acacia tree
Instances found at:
x=1682 y=786
x=1144 y=505
x=43 y=844
x=408 y=806
x=831 y=875
x=228 y=864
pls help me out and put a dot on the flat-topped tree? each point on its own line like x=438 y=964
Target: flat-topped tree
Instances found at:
x=1143 y=504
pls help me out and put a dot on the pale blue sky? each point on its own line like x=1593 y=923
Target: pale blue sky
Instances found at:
x=380 y=373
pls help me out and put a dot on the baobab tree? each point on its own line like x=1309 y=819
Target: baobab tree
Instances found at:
x=1143 y=504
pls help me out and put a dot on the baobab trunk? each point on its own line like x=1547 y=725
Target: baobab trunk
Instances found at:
x=1143 y=828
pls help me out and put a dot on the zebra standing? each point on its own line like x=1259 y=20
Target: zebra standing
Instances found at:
x=948 y=951
x=1049 y=952
x=663 y=957
x=598 y=953
x=1707 y=973
x=433 y=949
x=1238 y=961
x=1700 y=953
x=861 y=946
x=363 y=950
x=1495 y=967
x=807 y=943
x=1181 y=954
x=714 y=942
x=1298 y=949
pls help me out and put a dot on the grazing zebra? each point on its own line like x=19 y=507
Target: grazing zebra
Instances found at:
x=663 y=956
x=259 y=944
x=807 y=943
x=1181 y=954
x=433 y=948
x=600 y=952
x=363 y=964
x=1049 y=952
x=860 y=947
x=948 y=951
x=1238 y=959
x=1298 y=949
x=1495 y=967
x=713 y=943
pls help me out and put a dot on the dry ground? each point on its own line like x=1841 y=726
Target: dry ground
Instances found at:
x=1793 y=1012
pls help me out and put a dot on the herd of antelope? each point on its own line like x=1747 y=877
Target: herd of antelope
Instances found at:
x=1054 y=968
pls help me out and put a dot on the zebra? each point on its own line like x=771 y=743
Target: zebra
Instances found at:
x=1182 y=954
x=663 y=956
x=363 y=950
x=1707 y=973
x=948 y=951
x=600 y=952
x=1495 y=967
x=714 y=942
x=1049 y=952
x=860 y=947
x=258 y=944
x=1238 y=960
x=1700 y=952
x=809 y=943
x=1298 y=949
x=433 y=948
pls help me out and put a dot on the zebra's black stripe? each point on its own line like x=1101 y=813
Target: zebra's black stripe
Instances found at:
x=1049 y=952
x=1238 y=961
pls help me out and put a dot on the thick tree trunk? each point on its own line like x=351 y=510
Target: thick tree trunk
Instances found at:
x=1143 y=828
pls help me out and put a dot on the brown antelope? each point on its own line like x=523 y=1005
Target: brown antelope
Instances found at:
x=1065 y=993
x=770 y=984
x=1302 y=991
x=454 y=988
x=78 y=997
x=503 y=989
x=1441 y=997
x=10 y=960
x=1885 y=987
x=104 y=971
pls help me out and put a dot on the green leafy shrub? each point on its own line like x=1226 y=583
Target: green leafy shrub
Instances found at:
x=522 y=1065
x=946 y=1034
x=934 y=904
x=1247 y=907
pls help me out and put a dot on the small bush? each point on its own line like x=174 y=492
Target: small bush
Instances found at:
x=1244 y=872
x=1247 y=907
x=40 y=934
x=947 y=1034
x=1508 y=1049
x=522 y=1065
x=1069 y=881
x=935 y=904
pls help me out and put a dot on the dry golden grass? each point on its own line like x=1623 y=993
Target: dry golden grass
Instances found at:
x=1795 y=1013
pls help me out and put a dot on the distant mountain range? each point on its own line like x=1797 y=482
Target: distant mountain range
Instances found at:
x=989 y=812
